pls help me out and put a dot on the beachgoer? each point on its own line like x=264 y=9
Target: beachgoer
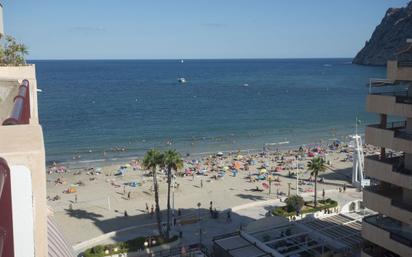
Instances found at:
x=147 y=208
x=75 y=198
x=201 y=183
x=128 y=195
x=323 y=193
x=152 y=211
x=344 y=187
x=179 y=212
x=229 y=218
x=125 y=213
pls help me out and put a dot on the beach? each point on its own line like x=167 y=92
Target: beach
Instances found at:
x=93 y=201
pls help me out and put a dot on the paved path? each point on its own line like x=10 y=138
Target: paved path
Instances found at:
x=240 y=217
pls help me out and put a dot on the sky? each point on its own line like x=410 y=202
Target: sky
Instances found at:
x=191 y=29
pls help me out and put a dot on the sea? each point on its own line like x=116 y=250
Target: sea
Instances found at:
x=99 y=111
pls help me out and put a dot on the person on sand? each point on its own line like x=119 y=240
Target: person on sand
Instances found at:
x=128 y=195
x=152 y=211
x=147 y=208
x=344 y=187
x=201 y=183
x=125 y=213
x=323 y=193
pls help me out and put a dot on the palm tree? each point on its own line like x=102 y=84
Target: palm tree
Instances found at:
x=315 y=166
x=22 y=50
x=171 y=161
x=152 y=160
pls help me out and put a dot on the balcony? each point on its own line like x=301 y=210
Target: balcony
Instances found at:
x=388 y=233
x=388 y=202
x=391 y=170
x=372 y=250
x=391 y=103
x=394 y=136
x=399 y=70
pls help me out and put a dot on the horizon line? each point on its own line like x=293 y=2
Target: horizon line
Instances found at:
x=177 y=59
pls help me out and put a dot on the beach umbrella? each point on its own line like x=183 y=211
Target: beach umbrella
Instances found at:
x=219 y=154
x=263 y=171
x=237 y=165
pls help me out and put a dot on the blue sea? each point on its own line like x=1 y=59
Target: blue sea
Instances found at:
x=91 y=109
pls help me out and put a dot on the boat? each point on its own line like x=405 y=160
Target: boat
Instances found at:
x=182 y=61
x=181 y=80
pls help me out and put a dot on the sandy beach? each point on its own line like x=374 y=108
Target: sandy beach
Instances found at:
x=93 y=201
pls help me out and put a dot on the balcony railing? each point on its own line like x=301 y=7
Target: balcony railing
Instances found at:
x=394 y=194
x=376 y=251
x=398 y=232
x=405 y=64
x=397 y=162
x=402 y=96
x=21 y=108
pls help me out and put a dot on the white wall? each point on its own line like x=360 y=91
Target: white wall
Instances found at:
x=22 y=207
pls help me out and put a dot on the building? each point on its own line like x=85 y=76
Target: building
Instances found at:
x=335 y=235
x=26 y=225
x=389 y=233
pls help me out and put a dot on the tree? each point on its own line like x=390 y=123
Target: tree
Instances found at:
x=315 y=166
x=12 y=53
x=294 y=203
x=172 y=160
x=151 y=161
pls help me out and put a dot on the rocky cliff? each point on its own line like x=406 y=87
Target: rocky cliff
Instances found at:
x=388 y=37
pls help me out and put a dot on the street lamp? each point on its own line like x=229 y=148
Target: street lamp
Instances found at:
x=173 y=199
x=200 y=225
x=149 y=242
x=297 y=175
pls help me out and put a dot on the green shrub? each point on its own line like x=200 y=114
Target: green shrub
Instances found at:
x=307 y=207
x=294 y=203
x=132 y=245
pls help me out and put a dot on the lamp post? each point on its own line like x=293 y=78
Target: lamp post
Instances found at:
x=200 y=225
x=173 y=199
x=297 y=176
x=289 y=189
x=150 y=241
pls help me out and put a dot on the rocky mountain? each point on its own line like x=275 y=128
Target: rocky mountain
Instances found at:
x=389 y=36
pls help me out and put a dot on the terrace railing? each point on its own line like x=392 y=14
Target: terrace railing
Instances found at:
x=20 y=113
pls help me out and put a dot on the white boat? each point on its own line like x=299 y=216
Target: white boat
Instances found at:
x=181 y=80
x=182 y=61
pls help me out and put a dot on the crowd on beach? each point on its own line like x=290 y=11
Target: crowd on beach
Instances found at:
x=263 y=169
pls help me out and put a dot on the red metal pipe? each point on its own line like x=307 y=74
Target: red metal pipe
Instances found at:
x=21 y=108
x=6 y=214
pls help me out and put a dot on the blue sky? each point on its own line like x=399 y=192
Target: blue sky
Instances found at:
x=168 y=29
